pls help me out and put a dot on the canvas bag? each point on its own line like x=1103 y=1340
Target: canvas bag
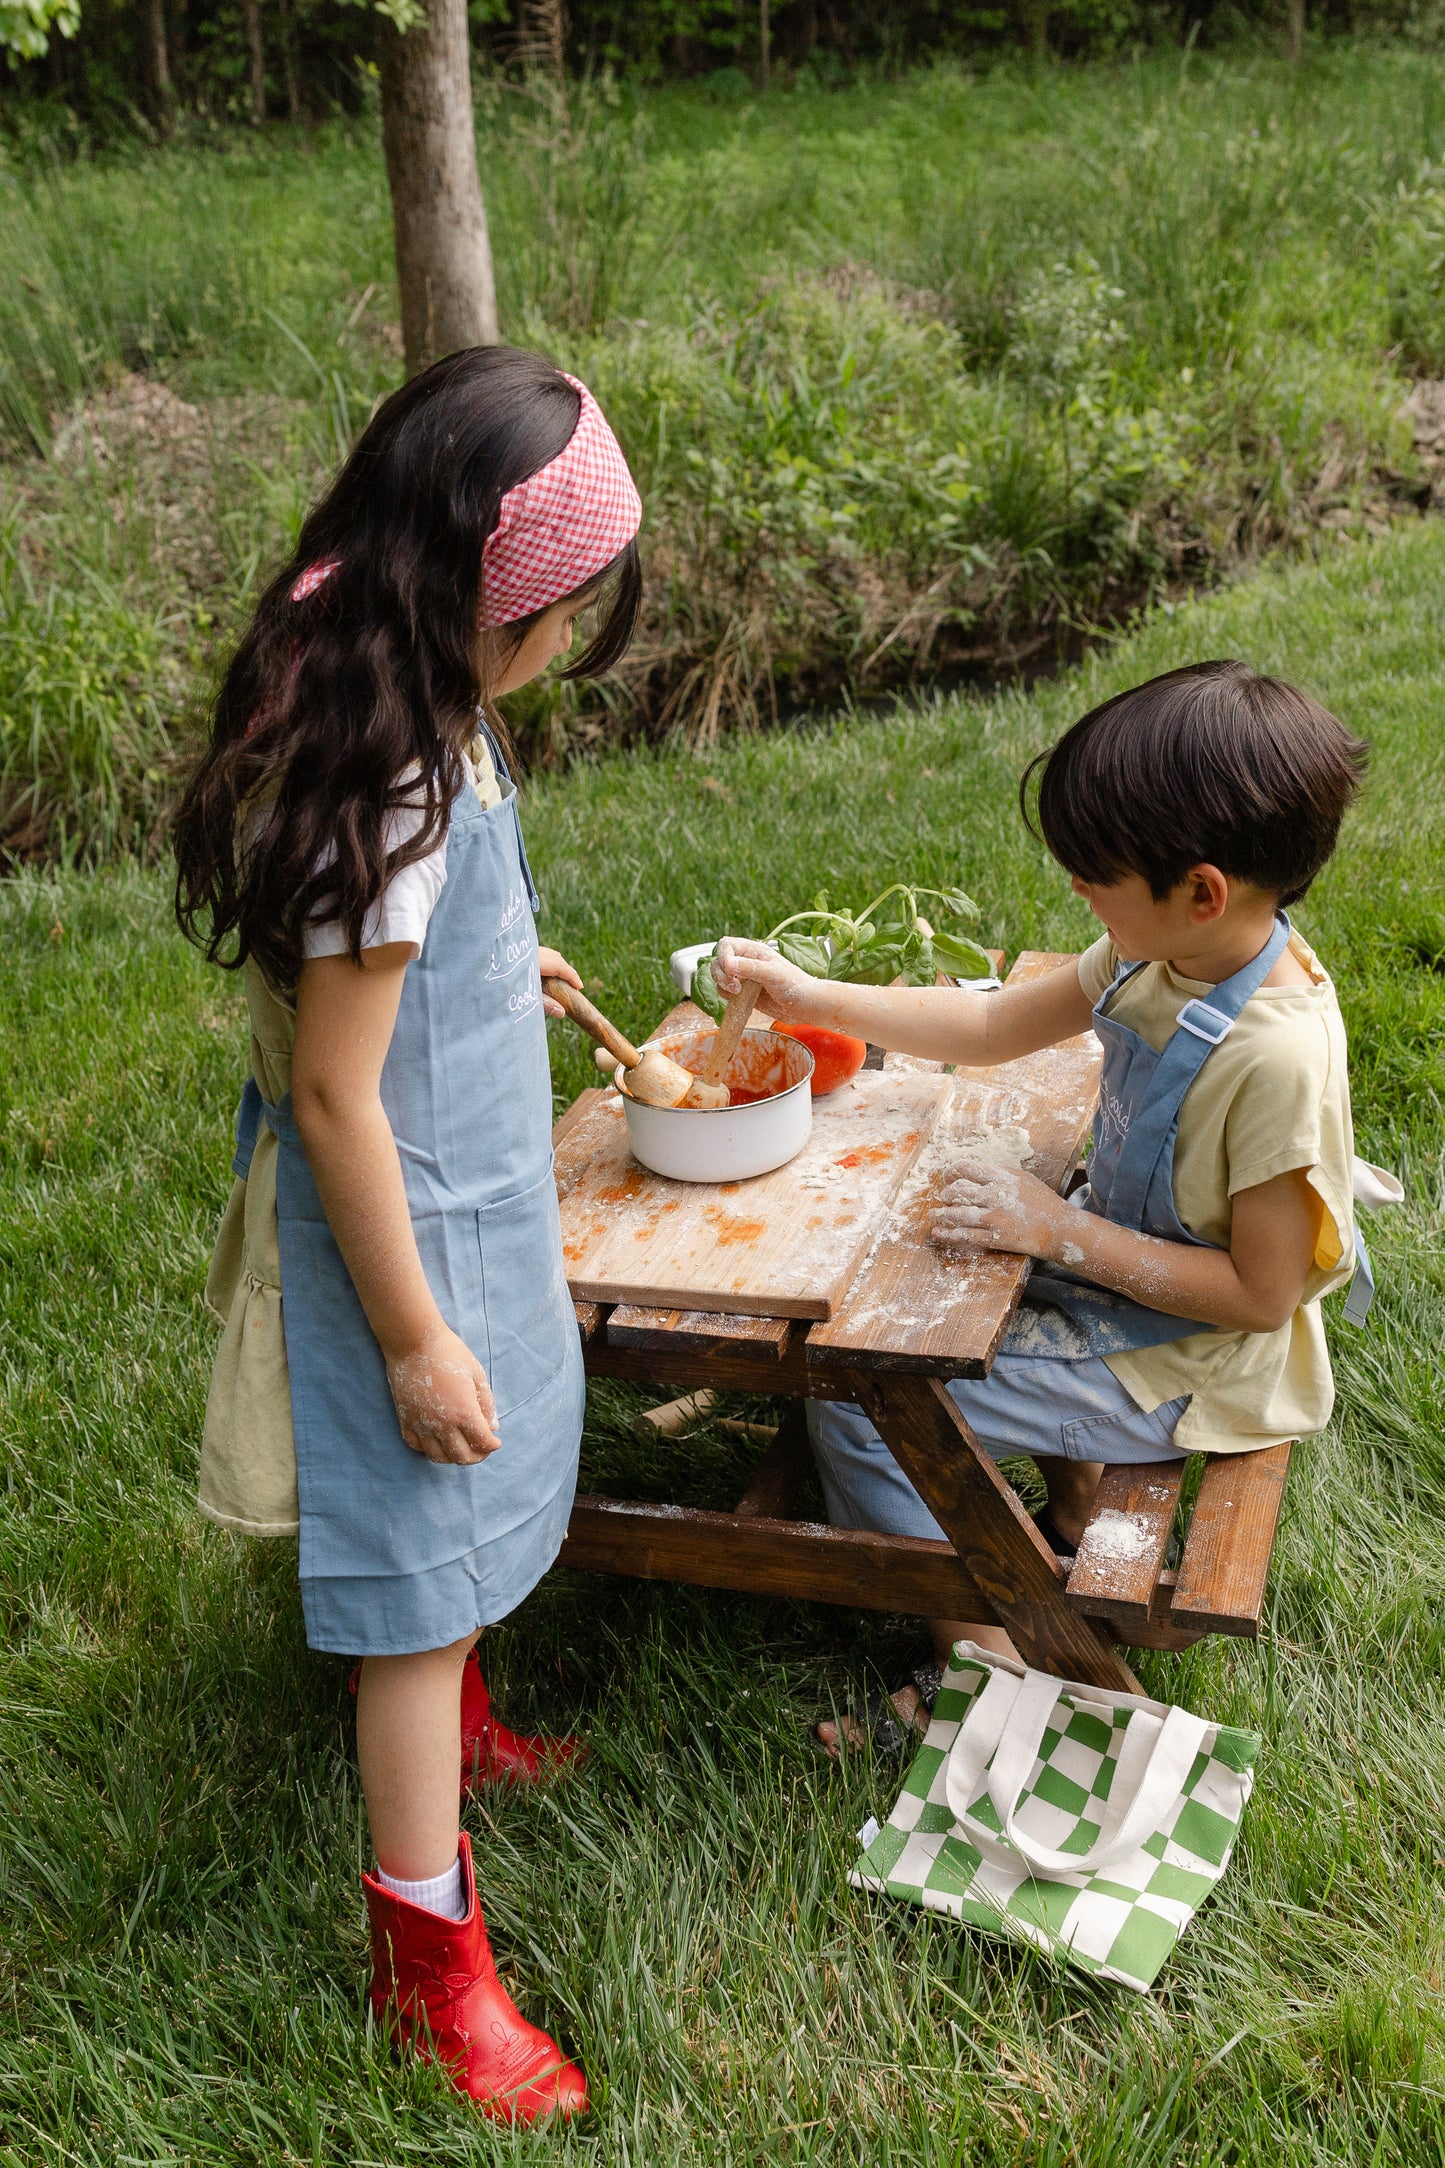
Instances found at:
x=1090 y=1823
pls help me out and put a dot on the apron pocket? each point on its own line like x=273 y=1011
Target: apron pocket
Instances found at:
x=524 y=1293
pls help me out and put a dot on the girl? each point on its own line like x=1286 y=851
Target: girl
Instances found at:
x=351 y=840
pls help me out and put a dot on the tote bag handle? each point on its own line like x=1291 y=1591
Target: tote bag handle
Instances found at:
x=1002 y=1734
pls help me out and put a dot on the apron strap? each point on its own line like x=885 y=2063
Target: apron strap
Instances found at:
x=1201 y=1027
x=505 y=778
x=254 y=1110
x=1362 y=1286
x=249 y=1116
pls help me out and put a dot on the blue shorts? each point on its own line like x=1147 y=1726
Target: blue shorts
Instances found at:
x=1048 y=1410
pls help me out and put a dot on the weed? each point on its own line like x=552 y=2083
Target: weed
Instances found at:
x=185 y=1944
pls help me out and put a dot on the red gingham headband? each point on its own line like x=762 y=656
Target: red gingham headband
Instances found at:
x=556 y=530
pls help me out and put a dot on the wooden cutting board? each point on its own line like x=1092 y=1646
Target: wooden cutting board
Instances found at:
x=919 y=1308
x=785 y=1244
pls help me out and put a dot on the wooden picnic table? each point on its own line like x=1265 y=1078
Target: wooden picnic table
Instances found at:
x=816 y=1289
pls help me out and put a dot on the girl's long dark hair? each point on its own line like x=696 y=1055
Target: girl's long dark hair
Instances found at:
x=339 y=709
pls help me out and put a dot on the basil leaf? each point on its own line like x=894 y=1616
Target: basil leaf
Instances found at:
x=807 y=952
x=919 y=968
x=705 y=993
x=961 y=958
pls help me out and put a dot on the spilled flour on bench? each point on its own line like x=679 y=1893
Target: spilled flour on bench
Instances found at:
x=1115 y=1538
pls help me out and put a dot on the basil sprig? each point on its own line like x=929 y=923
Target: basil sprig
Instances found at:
x=890 y=938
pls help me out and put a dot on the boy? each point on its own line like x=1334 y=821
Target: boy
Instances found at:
x=1179 y=1311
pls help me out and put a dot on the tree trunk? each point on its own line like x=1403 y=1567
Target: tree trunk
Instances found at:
x=765 y=43
x=1295 y=31
x=1036 y=27
x=158 y=61
x=251 y=11
x=443 y=254
x=288 y=62
x=541 y=44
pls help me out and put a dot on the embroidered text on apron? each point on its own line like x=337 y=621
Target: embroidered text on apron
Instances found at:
x=397 y=1553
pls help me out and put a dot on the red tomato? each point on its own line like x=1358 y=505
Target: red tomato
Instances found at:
x=836 y=1056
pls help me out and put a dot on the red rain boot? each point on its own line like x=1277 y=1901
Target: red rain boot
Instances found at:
x=493 y=1753
x=434 y=1986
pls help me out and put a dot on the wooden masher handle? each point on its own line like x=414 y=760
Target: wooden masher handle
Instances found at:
x=593 y=1022
x=734 y=1023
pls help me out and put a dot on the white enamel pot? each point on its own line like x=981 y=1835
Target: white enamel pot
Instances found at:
x=727 y=1144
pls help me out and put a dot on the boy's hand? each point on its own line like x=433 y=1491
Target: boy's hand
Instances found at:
x=789 y=994
x=553 y=966
x=999 y=1208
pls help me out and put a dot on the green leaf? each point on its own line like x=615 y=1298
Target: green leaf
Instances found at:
x=807 y=952
x=960 y=957
x=705 y=993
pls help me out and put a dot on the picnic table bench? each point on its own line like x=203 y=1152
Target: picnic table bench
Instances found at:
x=780 y=1286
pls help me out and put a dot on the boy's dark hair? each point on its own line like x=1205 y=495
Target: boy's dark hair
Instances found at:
x=1209 y=765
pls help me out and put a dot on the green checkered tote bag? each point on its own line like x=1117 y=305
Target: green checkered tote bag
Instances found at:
x=1089 y=1823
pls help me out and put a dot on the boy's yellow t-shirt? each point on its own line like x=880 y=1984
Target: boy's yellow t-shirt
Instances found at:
x=1272 y=1097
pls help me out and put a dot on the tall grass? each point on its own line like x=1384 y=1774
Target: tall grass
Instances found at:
x=180 y=1828
x=930 y=375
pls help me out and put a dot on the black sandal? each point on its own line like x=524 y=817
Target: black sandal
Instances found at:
x=928 y=1678
x=1064 y=1551
x=885 y=1731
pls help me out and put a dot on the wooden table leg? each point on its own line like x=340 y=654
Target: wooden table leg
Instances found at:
x=982 y=1517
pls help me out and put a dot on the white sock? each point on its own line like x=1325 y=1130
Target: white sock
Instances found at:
x=443 y=1893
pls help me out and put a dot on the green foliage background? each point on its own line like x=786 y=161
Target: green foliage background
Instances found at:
x=919 y=377
x=319 y=54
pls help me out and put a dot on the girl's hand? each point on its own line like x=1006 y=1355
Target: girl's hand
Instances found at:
x=789 y=994
x=554 y=966
x=1000 y=1208
x=443 y=1401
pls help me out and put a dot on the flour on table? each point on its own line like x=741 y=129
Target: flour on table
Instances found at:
x=1006 y=1145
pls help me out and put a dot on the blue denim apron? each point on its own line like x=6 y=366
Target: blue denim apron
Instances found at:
x=1027 y=1404
x=397 y=1553
x=1131 y=1162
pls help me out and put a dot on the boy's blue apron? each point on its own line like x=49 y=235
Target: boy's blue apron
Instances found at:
x=1131 y=1165
x=399 y=1554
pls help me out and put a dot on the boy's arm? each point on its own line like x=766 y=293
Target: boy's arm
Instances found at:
x=1256 y=1285
x=940 y=1023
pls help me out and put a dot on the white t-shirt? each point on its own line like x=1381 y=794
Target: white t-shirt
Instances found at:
x=402 y=912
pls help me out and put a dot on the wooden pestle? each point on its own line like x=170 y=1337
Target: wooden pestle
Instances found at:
x=652 y=1077
x=729 y=1032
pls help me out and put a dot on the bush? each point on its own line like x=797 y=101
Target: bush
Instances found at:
x=936 y=376
x=87 y=689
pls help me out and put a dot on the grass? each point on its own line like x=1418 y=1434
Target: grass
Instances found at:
x=935 y=372
x=180 y=1828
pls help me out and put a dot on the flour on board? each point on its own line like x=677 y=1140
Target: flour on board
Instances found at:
x=1008 y=1144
